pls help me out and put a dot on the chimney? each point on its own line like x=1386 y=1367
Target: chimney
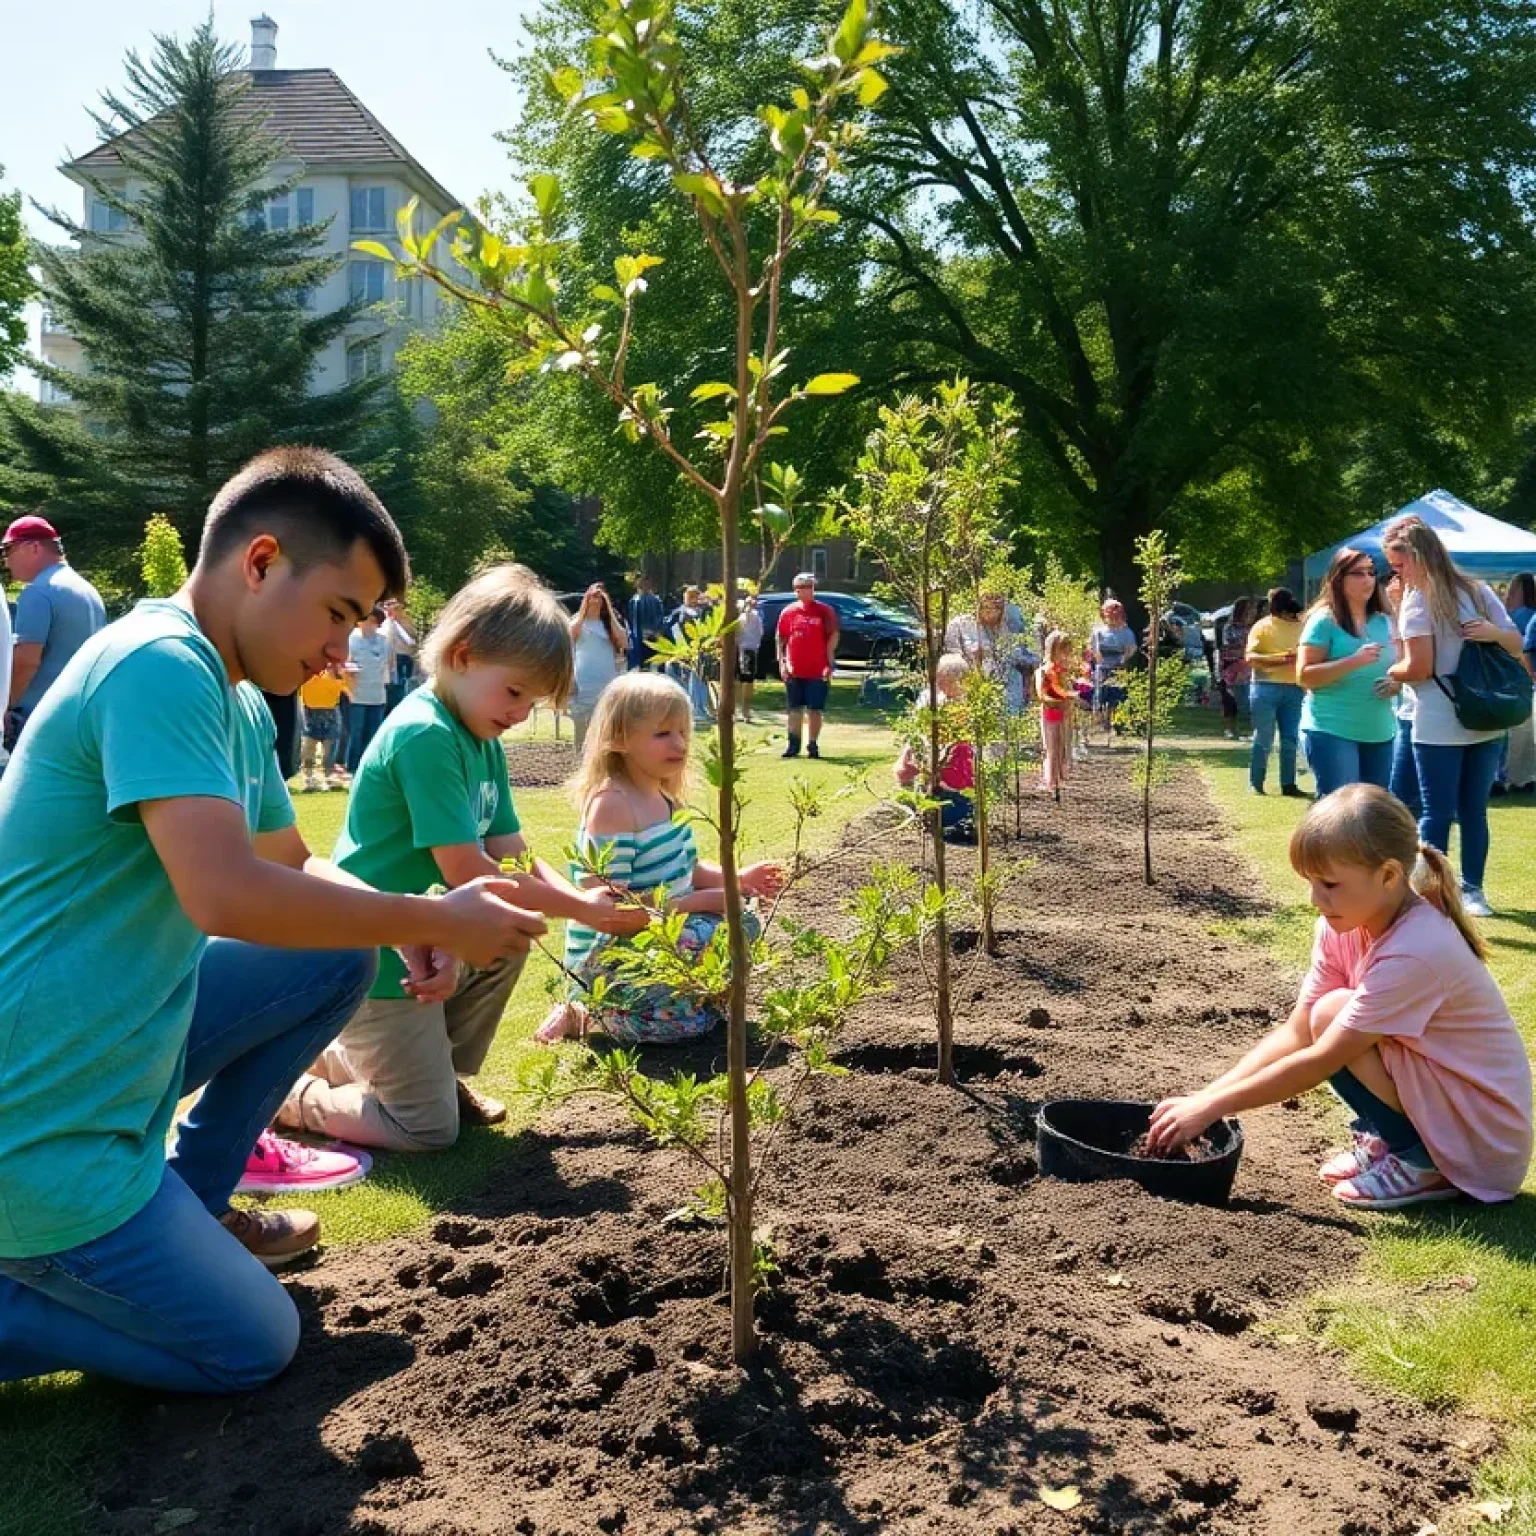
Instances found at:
x=263 y=43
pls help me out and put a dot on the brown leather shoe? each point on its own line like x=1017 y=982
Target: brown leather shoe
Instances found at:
x=476 y=1108
x=275 y=1238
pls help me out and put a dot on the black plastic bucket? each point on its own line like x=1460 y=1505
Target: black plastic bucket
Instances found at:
x=1083 y=1139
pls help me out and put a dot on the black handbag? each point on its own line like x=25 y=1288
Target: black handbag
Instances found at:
x=1491 y=690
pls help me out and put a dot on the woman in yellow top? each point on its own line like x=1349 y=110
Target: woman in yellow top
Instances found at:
x=1274 y=698
x=321 y=697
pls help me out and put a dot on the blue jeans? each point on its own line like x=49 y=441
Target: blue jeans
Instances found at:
x=1455 y=783
x=1337 y=761
x=366 y=720
x=170 y=1300
x=1404 y=782
x=1271 y=705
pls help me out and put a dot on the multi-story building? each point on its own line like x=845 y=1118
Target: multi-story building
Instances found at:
x=349 y=173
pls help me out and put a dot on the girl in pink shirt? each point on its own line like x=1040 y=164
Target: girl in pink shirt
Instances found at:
x=1398 y=1012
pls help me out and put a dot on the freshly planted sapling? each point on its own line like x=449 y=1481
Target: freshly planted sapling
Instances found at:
x=753 y=215
x=1152 y=696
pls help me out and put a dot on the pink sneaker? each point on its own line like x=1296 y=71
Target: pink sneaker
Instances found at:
x=1392 y=1183
x=1361 y=1157
x=278 y=1166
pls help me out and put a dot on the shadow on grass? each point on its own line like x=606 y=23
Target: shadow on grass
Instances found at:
x=1508 y=1229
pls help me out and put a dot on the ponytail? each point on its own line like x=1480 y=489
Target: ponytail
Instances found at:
x=1435 y=880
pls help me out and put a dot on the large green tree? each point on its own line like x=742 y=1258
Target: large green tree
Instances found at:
x=192 y=319
x=1249 y=268
x=15 y=282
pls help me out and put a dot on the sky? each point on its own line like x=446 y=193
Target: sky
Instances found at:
x=424 y=71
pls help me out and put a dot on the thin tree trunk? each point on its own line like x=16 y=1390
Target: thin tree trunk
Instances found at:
x=1146 y=776
x=984 y=851
x=944 y=1009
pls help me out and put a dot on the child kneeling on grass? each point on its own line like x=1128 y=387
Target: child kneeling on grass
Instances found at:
x=1399 y=1013
x=957 y=765
x=633 y=775
x=431 y=804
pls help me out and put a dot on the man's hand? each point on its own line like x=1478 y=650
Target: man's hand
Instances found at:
x=482 y=925
x=1178 y=1121
x=432 y=975
x=826 y=676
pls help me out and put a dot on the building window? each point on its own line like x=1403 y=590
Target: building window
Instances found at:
x=106 y=219
x=365 y=360
x=368 y=208
x=819 y=562
x=277 y=213
x=255 y=218
x=365 y=281
x=306 y=201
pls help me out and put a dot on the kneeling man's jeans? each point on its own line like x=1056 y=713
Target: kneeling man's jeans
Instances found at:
x=170 y=1300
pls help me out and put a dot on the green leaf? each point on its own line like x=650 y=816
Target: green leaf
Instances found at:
x=490 y=251
x=872 y=86
x=436 y=232
x=705 y=190
x=712 y=391
x=546 y=194
x=374 y=248
x=405 y=224
x=830 y=383
x=723 y=429
x=1060 y=1498
x=873 y=51
x=566 y=83
x=612 y=119
x=849 y=38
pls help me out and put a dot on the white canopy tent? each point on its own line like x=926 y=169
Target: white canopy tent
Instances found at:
x=1480 y=545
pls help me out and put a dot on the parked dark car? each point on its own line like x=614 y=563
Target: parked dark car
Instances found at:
x=872 y=631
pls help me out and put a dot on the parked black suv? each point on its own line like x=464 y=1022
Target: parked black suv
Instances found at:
x=872 y=631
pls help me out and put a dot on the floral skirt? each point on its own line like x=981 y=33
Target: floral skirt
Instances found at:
x=655 y=1015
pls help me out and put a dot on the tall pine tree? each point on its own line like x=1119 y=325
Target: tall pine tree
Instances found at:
x=192 y=319
x=15 y=283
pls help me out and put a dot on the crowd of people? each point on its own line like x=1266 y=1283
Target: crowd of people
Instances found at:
x=170 y=936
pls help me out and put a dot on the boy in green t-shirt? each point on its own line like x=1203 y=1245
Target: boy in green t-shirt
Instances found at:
x=167 y=930
x=431 y=805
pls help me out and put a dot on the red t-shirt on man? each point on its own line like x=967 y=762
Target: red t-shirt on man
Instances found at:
x=805 y=630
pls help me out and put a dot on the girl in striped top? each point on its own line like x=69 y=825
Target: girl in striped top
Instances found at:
x=633 y=774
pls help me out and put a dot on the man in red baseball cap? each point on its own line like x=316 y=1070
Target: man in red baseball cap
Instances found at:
x=58 y=611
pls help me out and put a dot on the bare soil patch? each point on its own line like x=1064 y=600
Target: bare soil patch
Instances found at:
x=950 y=1333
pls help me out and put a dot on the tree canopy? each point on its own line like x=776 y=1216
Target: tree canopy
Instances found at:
x=15 y=282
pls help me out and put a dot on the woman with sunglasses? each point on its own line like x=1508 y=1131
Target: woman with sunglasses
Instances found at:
x=1347 y=722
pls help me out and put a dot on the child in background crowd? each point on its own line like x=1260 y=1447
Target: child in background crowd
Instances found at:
x=432 y=805
x=633 y=777
x=957 y=767
x=369 y=661
x=1057 y=703
x=321 y=698
x=1398 y=1012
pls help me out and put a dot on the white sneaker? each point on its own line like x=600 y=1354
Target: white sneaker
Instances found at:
x=1474 y=902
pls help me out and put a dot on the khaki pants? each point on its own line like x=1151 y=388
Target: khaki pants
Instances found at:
x=390 y=1079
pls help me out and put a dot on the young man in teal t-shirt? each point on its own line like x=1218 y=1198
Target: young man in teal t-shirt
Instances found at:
x=167 y=930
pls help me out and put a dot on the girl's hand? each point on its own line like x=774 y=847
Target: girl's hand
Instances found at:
x=1481 y=629
x=1386 y=687
x=1180 y=1120
x=1368 y=654
x=610 y=913
x=765 y=880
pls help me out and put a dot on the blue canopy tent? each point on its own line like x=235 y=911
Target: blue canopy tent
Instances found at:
x=1480 y=545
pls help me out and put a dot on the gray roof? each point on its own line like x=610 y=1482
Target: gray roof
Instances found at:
x=316 y=119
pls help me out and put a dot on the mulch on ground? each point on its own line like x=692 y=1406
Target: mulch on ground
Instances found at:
x=951 y=1335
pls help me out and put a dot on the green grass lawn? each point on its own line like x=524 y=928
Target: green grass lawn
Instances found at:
x=49 y=1429
x=1444 y=1307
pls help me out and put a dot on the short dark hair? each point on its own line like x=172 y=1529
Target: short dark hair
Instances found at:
x=317 y=507
x=1283 y=604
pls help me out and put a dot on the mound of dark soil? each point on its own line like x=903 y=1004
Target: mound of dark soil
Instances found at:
x=949 y=1334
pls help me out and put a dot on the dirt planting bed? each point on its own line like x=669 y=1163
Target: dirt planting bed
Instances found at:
x=951 y=1336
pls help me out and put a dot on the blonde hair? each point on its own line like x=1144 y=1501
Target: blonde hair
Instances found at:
x=508 y=617
x=1443 y=584
x=1053 y=642
x=631 y=704
x=1364 y=827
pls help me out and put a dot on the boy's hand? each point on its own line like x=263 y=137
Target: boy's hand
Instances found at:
x=612 y=914
x=432 y=975
x=1180 y=1120
x=482 y=925
x=762 y=879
